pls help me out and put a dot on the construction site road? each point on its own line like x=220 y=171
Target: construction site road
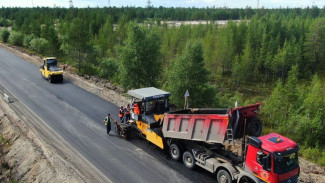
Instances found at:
x=63 y=113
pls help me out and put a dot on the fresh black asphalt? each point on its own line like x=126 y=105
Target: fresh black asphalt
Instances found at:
x=77 y=116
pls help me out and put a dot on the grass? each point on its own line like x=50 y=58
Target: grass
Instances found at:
x=3 y=140
x=315 y=155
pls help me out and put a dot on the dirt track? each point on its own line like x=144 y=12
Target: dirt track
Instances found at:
x=28 y=158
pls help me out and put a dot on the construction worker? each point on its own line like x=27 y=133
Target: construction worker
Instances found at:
x=107 y=122
x=121 y=114
x=136 y=109
x=127 y=113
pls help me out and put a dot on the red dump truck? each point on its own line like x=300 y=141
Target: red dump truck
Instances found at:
x=208 y=138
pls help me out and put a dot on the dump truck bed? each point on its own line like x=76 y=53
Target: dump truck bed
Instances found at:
x=196 y=124
x=207 y=125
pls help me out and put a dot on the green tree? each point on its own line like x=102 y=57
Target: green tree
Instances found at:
x=209 y=44
x=284 y=102
x=40 y=45
x=314 y=103
x=188 y=72
x=4 y=35
x=49 y=33
x=108 y=68
x=27 y=40
x=275 y=106
x=16 y=38
x=225 y=50
x=106 y=38
x=309 y=123
x=76 y=43
x=140 y=66
x=315 y=44
x=35 y=28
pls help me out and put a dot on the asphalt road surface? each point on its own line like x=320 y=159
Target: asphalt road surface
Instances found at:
x=77 y=116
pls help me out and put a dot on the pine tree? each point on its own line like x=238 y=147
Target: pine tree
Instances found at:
x=106 y=38
x=187 y=72
x=140 y=66
x=77 y=41
x=315 y=44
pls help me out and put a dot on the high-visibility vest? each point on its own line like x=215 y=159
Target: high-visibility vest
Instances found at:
x=107 y=119
x=121 y=113
x=137 y=110
x=127 y=110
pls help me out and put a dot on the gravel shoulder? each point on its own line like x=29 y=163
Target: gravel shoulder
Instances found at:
x=34 y=153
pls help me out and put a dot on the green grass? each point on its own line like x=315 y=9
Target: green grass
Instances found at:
x=3 y=140
x=315 y=155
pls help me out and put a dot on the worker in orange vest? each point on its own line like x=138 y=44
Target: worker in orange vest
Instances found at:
x=127 y=113
x=121 y=114
x=136 y=109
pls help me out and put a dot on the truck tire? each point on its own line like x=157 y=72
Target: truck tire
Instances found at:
x=223 y=177
x=60 y=78
x=254 y=127
x=246 y=180
x=188 y=160
x=175 y=152
x=50 y=79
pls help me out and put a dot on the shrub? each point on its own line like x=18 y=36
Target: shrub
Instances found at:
x=5 y=23
x=108 y=67
x=4 y=35
x=315 y=155
x=28 y=39
x=16 y=38
x=40 y=45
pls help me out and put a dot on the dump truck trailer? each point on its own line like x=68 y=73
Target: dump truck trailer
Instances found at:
x=199 y=137
x=212 y=125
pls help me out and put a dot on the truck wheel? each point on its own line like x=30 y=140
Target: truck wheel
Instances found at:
x=254 y=127
x=175 y=152
x=60 y=78
x=246 y=180
x=50 y=79
x=223 y=177
x=188 y=160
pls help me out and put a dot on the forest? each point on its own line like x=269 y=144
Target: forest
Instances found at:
x=272 y=56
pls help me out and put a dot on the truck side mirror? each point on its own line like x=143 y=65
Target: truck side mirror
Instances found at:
x=266 y=162
x=260 y=157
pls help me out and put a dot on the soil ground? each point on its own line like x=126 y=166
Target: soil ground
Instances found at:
x=25 y=157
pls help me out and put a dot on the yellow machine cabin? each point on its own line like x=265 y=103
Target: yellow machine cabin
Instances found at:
x=153 y=103
x=50 y=70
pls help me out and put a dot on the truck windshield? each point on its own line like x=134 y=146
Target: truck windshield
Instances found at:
x=51 y=62
x=285 y=163
x=157 y=106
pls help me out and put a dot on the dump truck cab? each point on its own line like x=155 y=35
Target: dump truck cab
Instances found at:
x=153 y=103
x=272 y=158
x=50 y=70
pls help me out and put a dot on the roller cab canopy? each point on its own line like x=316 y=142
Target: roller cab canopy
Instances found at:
x=151 y=101
x=148 y=94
